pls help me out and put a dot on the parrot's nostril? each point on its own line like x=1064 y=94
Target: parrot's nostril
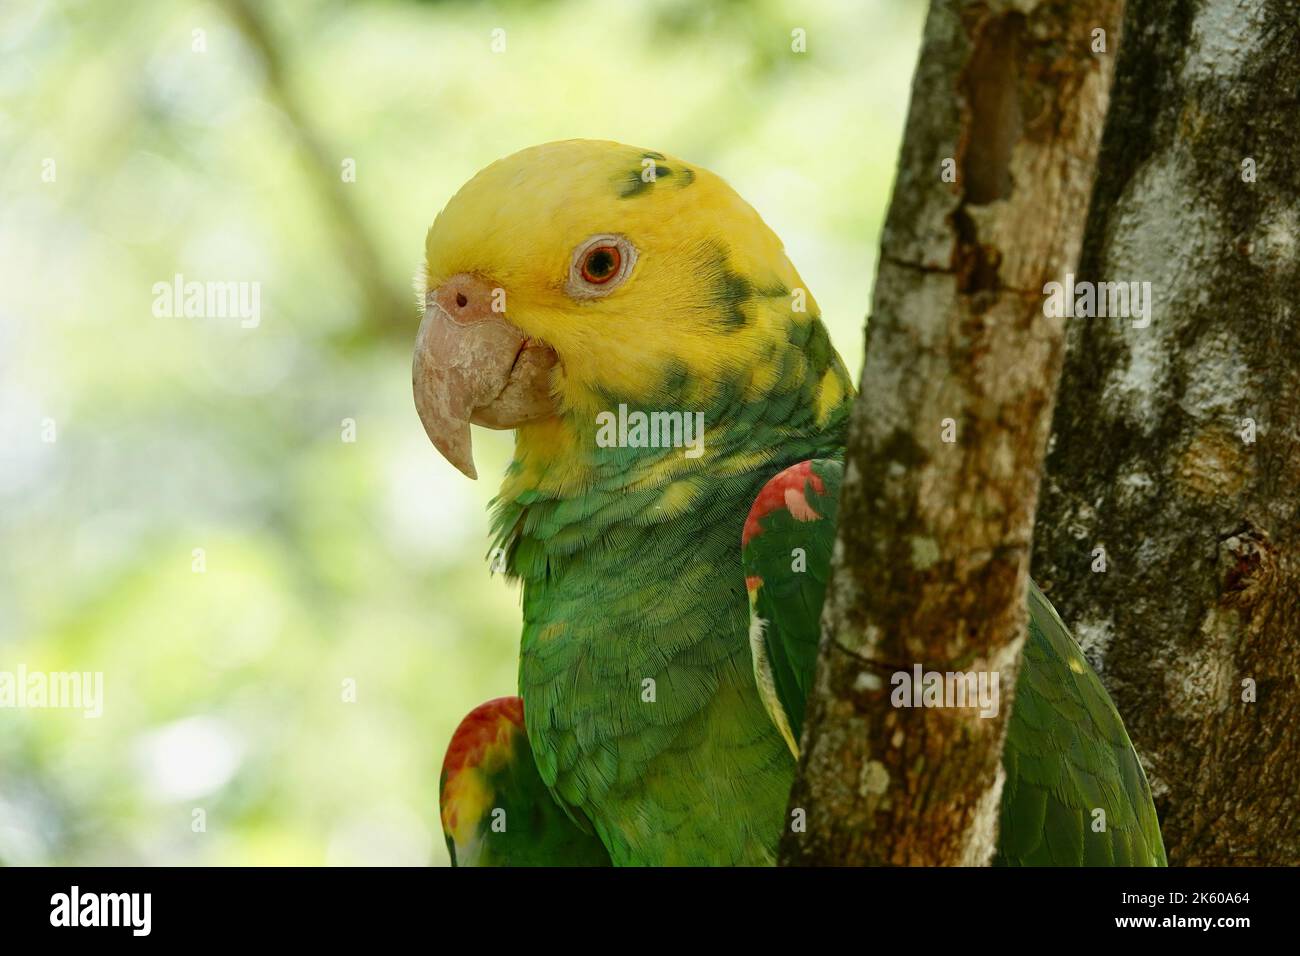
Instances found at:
x=461 y=300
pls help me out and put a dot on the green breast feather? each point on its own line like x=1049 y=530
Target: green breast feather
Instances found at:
x=1067 y=755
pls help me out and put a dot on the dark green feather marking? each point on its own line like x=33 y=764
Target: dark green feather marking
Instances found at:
x=633 y=183
x=730 y=291
x=817 y=348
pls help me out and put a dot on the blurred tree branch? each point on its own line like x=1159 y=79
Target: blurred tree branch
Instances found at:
x=389 y=308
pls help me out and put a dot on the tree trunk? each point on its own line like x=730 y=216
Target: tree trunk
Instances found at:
x=950 y=430
x=1175 y=447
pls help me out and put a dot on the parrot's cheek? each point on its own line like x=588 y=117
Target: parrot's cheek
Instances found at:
x=471 y=365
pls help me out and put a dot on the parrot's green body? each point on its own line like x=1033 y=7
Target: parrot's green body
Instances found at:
x=619 y=594
x=664 y=664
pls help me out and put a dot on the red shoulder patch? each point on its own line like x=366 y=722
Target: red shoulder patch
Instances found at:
x=784 y=490
x=481 y=728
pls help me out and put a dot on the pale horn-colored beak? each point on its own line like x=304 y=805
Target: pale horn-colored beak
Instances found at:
x=471 y=365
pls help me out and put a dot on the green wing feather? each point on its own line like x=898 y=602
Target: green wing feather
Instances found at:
x=786 y=551
x=495 y=809
x=1067 y=757
x=1067 y=754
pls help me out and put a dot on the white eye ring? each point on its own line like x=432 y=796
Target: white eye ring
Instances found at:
x=582 y=285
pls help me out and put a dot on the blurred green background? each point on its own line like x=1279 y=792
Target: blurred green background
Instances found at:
x=218 y=154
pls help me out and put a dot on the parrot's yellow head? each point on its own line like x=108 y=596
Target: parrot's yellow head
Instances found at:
x=572 y=277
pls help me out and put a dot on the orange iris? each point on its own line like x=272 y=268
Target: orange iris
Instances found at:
x=601 y=264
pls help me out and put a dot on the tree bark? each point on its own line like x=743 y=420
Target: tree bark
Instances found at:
x=1153 y=458
x=950 y=429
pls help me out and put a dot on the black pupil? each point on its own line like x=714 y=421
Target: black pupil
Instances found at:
x=600 y=263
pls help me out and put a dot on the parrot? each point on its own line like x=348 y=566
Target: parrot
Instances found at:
x=488 y=779
x=680 y=418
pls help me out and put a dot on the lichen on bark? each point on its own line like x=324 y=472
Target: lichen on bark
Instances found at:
x=1151 y=458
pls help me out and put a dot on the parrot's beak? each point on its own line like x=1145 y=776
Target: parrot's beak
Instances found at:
x=471 y=365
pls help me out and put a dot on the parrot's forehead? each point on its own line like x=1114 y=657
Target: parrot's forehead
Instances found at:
x=589 y=170
x=550 y=197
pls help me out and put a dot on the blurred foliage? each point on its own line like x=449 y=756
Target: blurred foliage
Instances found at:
x=326 y=560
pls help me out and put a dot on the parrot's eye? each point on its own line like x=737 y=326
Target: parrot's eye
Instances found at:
x=600 y=265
